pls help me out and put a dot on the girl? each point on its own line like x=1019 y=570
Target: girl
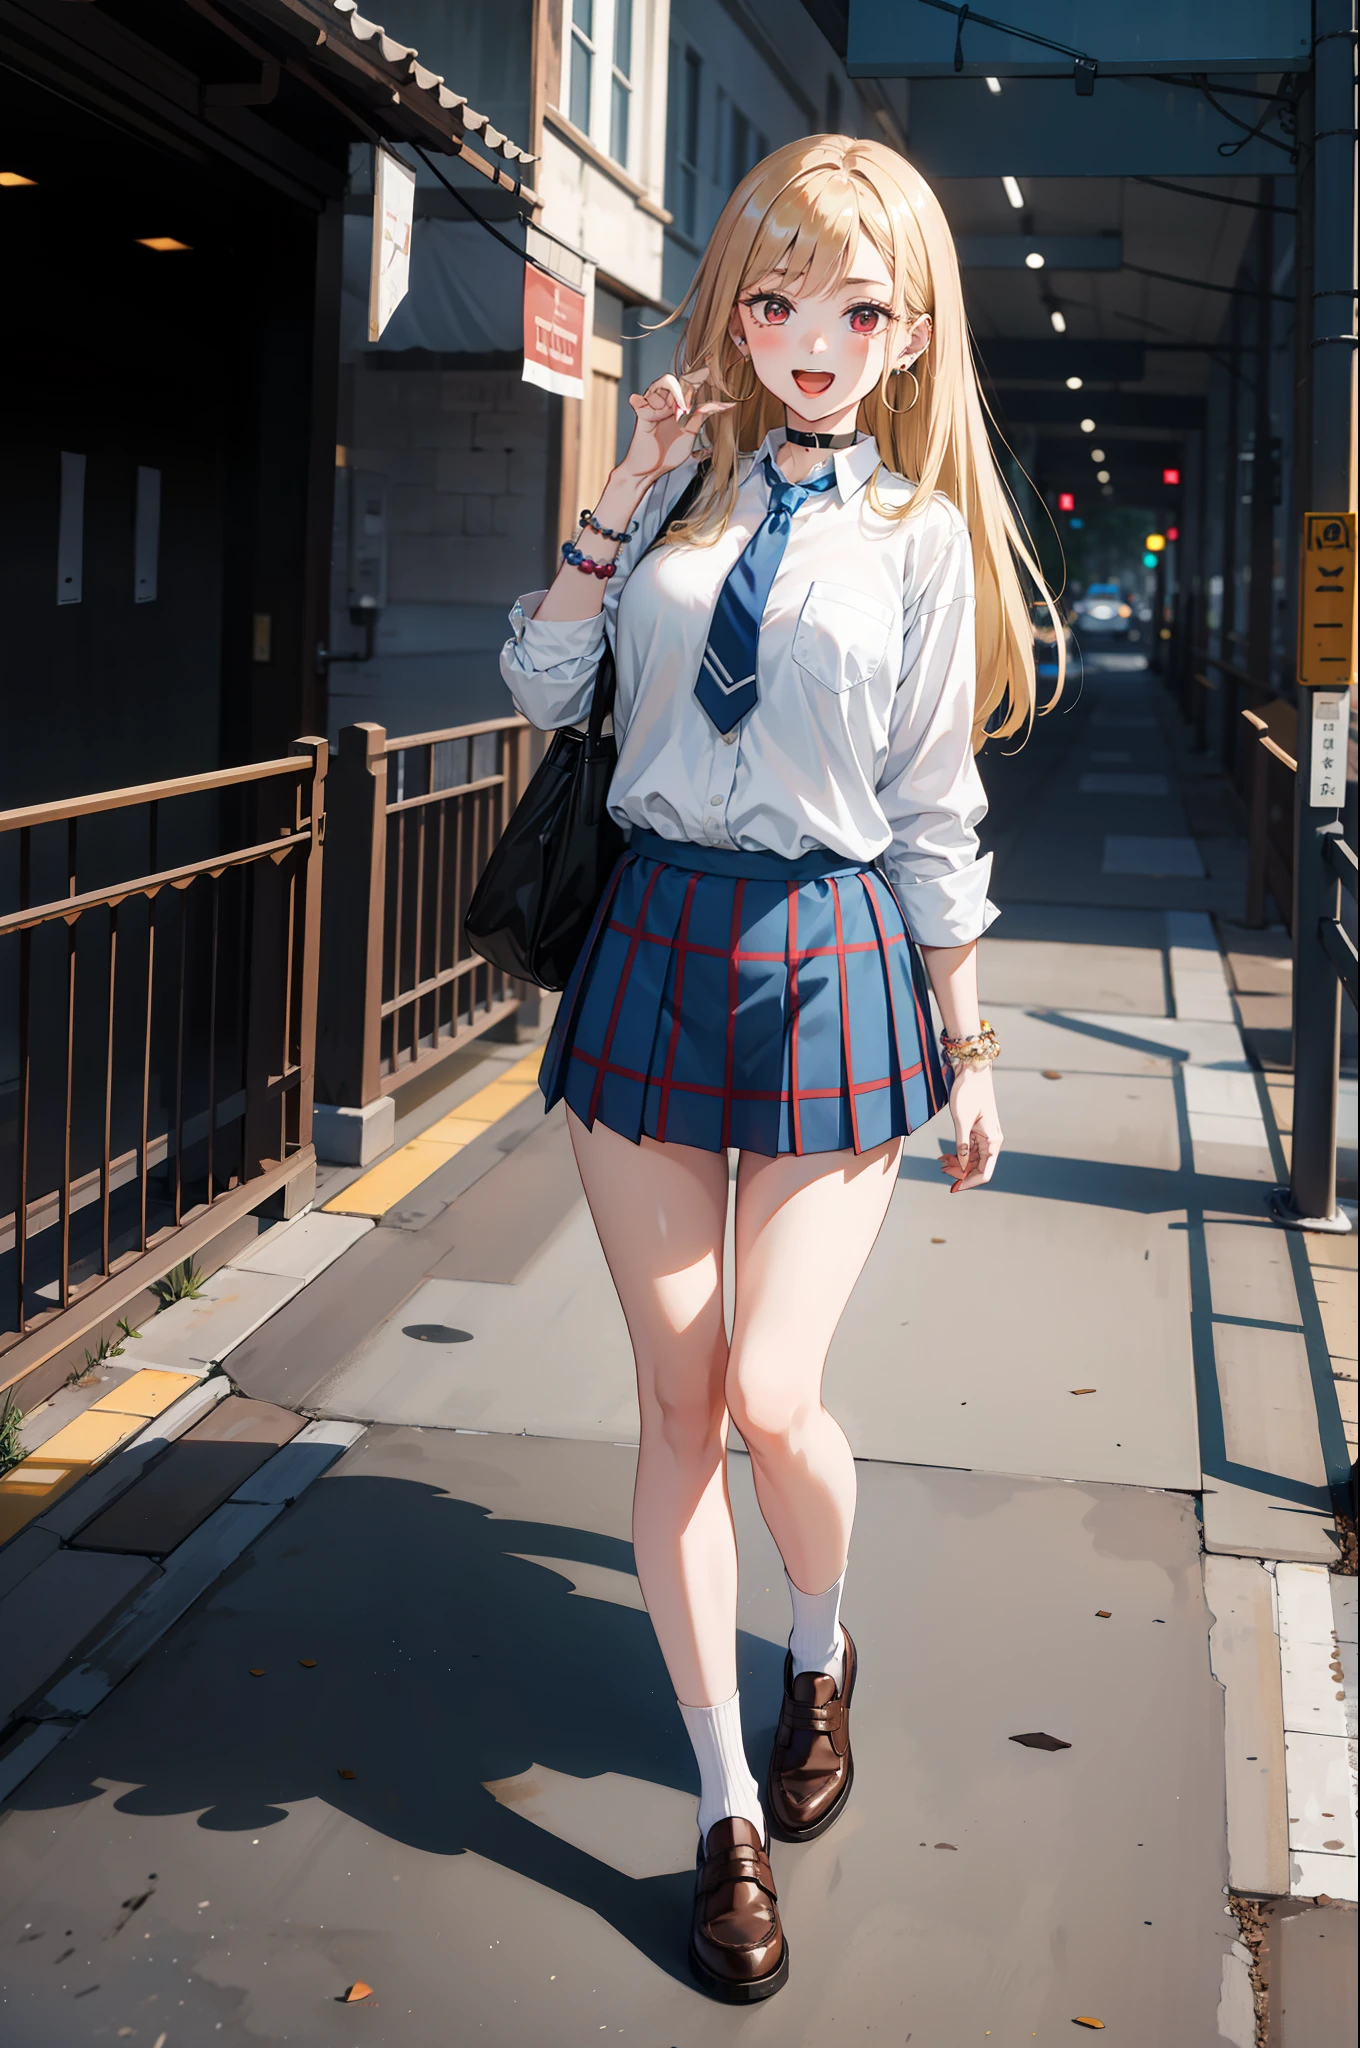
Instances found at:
x=810 y=576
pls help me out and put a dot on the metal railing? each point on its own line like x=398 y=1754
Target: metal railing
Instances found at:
x=158 y=980
x=413 y=821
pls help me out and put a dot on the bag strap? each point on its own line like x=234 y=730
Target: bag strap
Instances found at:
x=606 y=676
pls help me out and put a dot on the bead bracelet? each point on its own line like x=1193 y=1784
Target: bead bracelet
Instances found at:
x=586 y=564
x=607 y=532
x=980 y=1050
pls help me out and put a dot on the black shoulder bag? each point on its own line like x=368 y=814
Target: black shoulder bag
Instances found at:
x=532 y=908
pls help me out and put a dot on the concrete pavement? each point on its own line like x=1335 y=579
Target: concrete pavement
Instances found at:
x=1046 y=1387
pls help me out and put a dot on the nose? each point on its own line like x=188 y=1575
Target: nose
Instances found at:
x=818 y=345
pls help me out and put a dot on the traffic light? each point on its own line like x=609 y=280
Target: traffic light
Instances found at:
x=1173 y=533
x=1066 y=501
x=1154 y=543
x=1171 y=476
x=1149 y=561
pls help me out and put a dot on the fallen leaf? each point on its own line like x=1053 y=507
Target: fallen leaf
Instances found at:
x=257 y=1671
x=947 y=1845
x=1085 y=1390
x=359 y=1990
x=1103 y=1613
x=307 y=1663
x=347 y=1774
x=939 y=1240
x=1084 y=2020
x=1039 y=1740
x=1324 y=1898
x=1051 y=1074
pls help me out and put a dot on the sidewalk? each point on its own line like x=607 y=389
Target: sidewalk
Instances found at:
x=420 y=1735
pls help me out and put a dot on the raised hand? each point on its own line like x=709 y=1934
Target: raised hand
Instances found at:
x=668 y=419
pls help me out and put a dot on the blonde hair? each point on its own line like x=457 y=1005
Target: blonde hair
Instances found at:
x=801 y=211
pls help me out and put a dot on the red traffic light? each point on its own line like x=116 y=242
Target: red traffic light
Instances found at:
x=1066 y=501
x=1171 y=476
x=1173 y=533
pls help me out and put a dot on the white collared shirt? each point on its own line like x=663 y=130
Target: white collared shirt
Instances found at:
x=861 y=737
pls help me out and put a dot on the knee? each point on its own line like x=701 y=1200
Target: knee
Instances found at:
x=767 y=1413
x=687 y=1420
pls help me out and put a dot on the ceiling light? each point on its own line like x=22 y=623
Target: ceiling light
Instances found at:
x=162 y=244
x=1013 y=192
x=1074 y=383
x=1034 y=261
x=1097 y=455
x=993 y=85
x=15 y=178
x=1059 y=320
x=1102 y=476
x=1088 y=426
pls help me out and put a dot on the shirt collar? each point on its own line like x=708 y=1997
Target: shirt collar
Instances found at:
x=854 y=466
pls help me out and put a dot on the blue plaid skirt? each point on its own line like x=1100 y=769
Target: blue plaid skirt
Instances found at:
x=739 y=999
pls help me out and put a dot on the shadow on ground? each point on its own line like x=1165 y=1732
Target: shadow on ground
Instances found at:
x=444 y=1662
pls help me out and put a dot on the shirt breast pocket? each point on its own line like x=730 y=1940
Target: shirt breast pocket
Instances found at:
x=841 y=636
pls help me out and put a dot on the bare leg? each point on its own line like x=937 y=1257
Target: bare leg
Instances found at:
x=661 y=1211
x=805 y=1227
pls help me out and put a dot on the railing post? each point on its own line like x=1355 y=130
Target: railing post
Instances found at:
x=1310 y=1201
x=353 y=1120
x=1258 y=824
x=307 y=968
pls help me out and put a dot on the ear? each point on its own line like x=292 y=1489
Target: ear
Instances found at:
x=917 y=341
x=734 y=326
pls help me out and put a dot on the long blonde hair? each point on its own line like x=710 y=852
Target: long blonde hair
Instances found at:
x=801 y=211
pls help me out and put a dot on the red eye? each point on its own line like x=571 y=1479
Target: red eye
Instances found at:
x=776 y=312
x=864 y=320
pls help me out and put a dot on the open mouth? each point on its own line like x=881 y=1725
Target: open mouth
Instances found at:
x=814 y=382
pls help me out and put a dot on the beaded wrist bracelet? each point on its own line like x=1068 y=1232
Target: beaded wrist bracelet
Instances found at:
x=586 y=565
x=607 y=532
x=980 y=1050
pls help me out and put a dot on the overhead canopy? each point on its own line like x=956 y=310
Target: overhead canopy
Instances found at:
x=378 y=74
x=924 y=39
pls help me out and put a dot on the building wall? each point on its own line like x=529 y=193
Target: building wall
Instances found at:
x=464 y=455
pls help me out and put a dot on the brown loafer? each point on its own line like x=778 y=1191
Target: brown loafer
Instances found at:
x=736 y=1944
x=811 y=1768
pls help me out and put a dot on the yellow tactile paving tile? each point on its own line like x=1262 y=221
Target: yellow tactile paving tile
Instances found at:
x=393 y=1178
x=146 y=1393
x=27 y=1489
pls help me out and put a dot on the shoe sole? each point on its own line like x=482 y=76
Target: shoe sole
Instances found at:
x=730 y=1993
x=833 y=1812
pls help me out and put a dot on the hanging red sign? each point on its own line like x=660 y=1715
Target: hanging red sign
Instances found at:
x=554 y=334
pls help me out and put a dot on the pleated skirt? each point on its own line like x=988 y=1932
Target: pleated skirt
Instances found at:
x=739 y=999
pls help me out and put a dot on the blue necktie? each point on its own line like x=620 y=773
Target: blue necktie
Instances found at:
x=726 y=686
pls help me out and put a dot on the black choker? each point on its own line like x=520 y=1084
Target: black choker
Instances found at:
x=819 y=440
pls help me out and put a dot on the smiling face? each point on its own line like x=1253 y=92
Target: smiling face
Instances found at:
x=821 y=354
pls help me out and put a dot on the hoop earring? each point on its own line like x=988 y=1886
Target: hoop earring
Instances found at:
x=916 y=392
x=741 y=397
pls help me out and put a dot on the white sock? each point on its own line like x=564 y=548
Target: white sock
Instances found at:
x=726 y=1788
x=817 y=1643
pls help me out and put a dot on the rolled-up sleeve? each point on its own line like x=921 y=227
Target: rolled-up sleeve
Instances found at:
x=549 y=665
x=930 y=790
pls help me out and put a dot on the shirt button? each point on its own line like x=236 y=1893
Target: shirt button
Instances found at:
x=729 y=739
x=715 y=799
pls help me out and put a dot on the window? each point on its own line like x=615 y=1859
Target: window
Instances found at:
x=582 y=62
x=686 y=82
x=621 y=81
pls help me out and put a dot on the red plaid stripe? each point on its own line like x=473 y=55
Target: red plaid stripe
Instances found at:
x=682 y=949
x=614 y=1014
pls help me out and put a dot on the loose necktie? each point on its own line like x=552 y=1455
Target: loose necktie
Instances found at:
x=726 y=685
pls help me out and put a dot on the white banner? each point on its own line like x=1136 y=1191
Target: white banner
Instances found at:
x=1327 y=766
x=394 y=205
